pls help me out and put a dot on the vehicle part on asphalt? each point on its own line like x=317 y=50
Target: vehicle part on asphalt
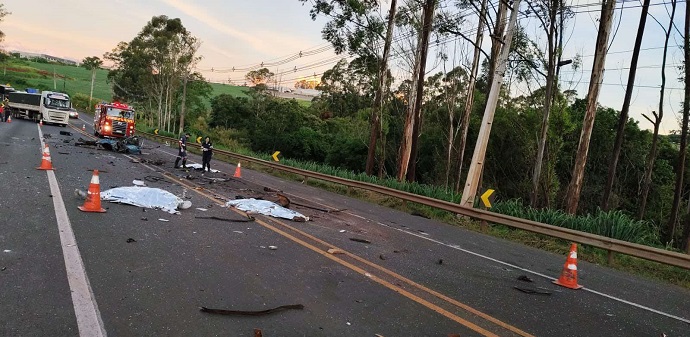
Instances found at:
x=533 y=291
x=360 y=240
x=525 y=278
x=248 y=219
x=251 y=312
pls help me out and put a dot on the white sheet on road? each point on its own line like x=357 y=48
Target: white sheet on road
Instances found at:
x=147 y=197
x=199 y=167
x=265 y=207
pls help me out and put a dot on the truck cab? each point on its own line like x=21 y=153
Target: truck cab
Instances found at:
x=114 y=120
x=47 y=106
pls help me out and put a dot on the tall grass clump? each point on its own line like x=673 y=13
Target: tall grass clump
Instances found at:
x=612 y=224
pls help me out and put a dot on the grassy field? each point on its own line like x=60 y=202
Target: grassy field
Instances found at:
x=22 y=74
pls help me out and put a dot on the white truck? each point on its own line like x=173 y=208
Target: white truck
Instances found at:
x=48 y=106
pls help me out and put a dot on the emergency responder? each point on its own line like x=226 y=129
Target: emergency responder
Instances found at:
x=183 y=151
x=207 y=149
x=6 y=109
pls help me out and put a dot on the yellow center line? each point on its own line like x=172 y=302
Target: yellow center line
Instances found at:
x=376 y=279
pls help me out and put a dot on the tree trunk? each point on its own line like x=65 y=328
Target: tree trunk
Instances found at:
x=575 y=186
x=477 y=165
x=93 y=78
x=469 y=97
x=623 y=118
x=408 y=145
x=379 y=95
x=428 y=9
x=548 y=98
x=680 y=168
x=649 y=169
x=496 y=39
x=184 y=101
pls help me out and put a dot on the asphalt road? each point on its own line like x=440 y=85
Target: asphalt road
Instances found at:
x=416 y=277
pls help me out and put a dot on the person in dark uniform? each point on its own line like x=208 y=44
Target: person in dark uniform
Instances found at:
x=5 y=109
x=183 y=151
x=207 y=149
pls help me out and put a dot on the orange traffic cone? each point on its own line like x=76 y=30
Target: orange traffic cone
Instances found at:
x=46 y=162
x=9 y=119
x=40 y=122
x=238 y=173
x=93 y=197
x=83 y=127
x=568 y=277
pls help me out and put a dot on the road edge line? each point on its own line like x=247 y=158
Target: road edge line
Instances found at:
x=89 y=321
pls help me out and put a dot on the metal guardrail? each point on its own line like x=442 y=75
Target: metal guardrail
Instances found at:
x=609 y=244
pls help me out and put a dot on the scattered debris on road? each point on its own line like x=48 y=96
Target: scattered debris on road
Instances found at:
x=360 y=240
x=335 y=251
x=266 y=207
x=248 y=219
x=533 y=291
x=382 y=257
x=199 y=167
x=525 y=278
x=251 y=312
x=65 y=133
x=440 y=261
x=284 y=201
x=164 y=220
x=147 y=197
x=131 y=145
x=130 y=240
x=137 y=182
x=273 y=247
x=202 y=209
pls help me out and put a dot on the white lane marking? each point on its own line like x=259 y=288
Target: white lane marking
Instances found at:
x=86 y=310
x=685 y=320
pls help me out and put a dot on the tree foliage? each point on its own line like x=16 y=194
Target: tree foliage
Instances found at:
x=149 y=70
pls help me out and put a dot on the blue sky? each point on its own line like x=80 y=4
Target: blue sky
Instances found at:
x=242 y=33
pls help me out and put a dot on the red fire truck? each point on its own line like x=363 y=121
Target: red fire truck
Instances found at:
x=114 y=120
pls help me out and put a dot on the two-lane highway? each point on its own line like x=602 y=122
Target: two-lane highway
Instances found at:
x=148 y=277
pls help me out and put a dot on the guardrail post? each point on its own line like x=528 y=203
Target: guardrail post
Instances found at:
x=484 y=226
x=609 y=257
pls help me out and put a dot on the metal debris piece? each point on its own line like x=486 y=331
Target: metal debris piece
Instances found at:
x=251 y=312
x=525 y=278
x=130 y=240
x=248 y=219
x=164 y=220
x=273 y=247
x=533 y=291
x=84 y=142
x=360 y=240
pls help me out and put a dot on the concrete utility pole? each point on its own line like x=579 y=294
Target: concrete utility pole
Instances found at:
x=477 y=165
x=54 y=80
x=575 y=187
